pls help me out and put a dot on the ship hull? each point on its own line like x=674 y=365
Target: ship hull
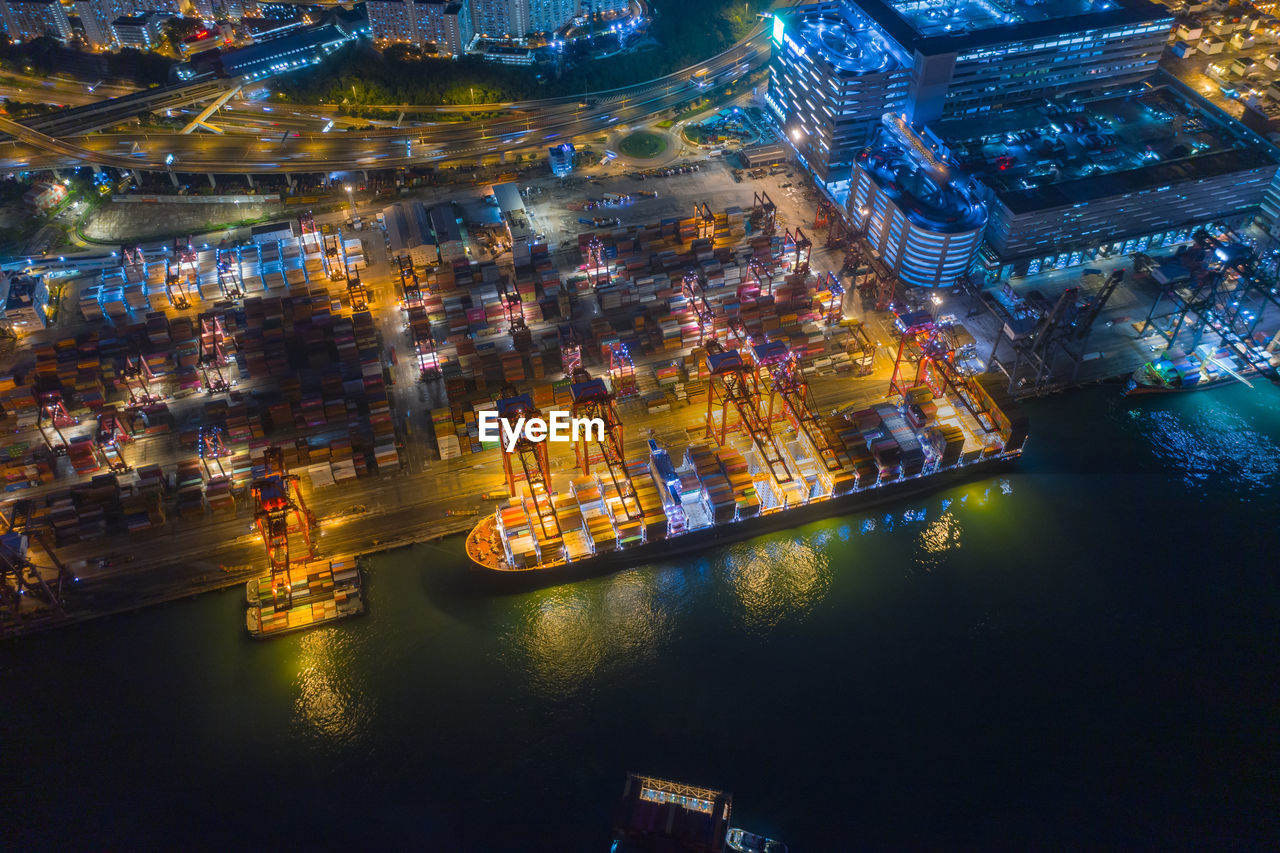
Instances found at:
x=727 y=533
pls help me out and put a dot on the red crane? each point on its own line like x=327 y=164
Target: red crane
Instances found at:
x=734 y=385
x=281 y=516
x=53 y=415
x=527 y=460
x=781 y=372
x=923 y=344
x=111 y=435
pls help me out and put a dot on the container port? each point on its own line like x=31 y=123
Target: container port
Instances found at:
x=753 y=373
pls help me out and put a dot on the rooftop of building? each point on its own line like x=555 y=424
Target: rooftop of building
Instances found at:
x=1051 y=156
x=845 y=38
x=933 y=26
x=925 y=194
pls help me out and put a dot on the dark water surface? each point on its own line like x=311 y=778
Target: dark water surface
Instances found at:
x=1082 y=652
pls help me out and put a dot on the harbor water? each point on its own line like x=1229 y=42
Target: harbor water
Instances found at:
x=1080 y=653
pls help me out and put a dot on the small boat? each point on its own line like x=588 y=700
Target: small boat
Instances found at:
x=748 y=842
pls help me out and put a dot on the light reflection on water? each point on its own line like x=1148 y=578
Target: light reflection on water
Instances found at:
x=329 y=707
x=572 y=634
x=775 y=579
x=1208 y=438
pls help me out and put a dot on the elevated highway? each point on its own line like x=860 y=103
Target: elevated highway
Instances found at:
x=91 y=117
x=526 y=124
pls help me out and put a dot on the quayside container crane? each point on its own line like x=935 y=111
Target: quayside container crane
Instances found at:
x=1228 y=296
x=281 y=515
x=733 y=385
x=921 y=344
x=592 y=399
x=780 y=371
x=27 y=589
x=527 y=460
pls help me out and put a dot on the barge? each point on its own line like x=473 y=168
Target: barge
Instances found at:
x=319 y=592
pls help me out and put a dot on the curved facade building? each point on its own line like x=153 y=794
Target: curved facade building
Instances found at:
x=924 y=227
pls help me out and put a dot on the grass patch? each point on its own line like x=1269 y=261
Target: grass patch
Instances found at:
x=642 y=145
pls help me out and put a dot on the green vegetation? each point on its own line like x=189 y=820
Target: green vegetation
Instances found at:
x=27 y=109
x=43 y=56
x=358 y=76
x=642 y=145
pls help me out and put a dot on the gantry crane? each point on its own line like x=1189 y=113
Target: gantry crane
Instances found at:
x=591 y=399
x=528 y=460
x=570 y=350
x=1228 y=298
x=281 y=515
x=180 y=271
x=733 y=384
x=110 y=436
x=213 y=356
x=213 y=449
x=53 y=415
x=334 y=257
x=138 y=378
x=622 y=371
x=357 y=292
x=513 y=309
x=229 y=281
x=410 y=289
x=834 y=312
x=27 y=588
x=695 y=291
x=799 y=243
x=921 y=344
x=596 y=262
x=762 y=274
x=705 y=219
x=779 y=370
x=768 y=212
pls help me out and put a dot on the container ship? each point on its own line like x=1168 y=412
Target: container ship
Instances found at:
x=752 y=477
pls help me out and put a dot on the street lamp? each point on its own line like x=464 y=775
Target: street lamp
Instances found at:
x=351 y=200
x=937 y=301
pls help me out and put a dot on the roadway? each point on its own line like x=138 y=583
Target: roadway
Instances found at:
x=529 y=124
